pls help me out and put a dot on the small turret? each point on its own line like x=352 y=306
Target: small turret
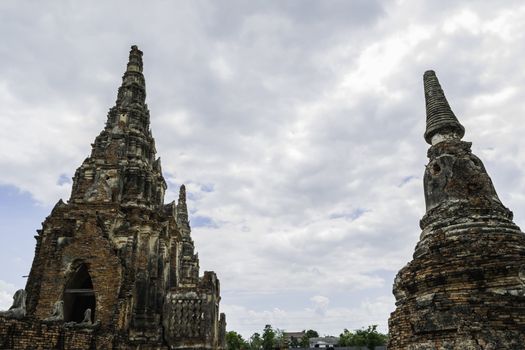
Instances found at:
x=441 y=121
x=182 y=211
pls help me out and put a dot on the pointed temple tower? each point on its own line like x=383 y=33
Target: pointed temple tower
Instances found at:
x=116 y=249
x=465 y=287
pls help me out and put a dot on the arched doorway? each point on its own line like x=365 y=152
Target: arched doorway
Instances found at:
x=79 y=296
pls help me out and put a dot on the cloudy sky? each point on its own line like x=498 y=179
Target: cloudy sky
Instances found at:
x=295 y=125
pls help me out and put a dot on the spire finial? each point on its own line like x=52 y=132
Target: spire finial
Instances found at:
x=182 y=208
x=135 y=60
x=182 y=194
x=133 y=88
x=440 y=118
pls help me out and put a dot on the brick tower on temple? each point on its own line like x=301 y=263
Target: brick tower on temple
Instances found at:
x=465 y=287
x=115 y=267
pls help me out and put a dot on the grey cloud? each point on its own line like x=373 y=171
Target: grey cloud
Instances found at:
x=280 y=117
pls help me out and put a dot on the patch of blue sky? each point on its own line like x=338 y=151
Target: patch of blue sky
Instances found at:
x=192 y=196
x=64 y=179
x=207 y=188
x=20 y=217
x=203 y=221
x=406 y=180
x=351 y=215
x=170 y=180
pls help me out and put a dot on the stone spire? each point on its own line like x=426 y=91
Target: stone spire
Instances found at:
x=440 y=118
x=130 y=174
x=182 y=210
x=133 y=88
x=189 y=274
x=465 y=287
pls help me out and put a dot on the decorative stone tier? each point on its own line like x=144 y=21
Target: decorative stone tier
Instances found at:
x=32 y=334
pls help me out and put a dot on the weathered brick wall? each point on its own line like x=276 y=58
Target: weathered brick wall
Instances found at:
x=90 y=247
x=32 y=334
x=464 y=293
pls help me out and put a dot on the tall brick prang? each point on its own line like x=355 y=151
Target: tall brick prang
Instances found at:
x=465 y=287
x=115 y=267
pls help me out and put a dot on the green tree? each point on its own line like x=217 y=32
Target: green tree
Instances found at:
x=345 y=338
x=268 y=337
x=234 y=341
x=294 y=342
x=369 y=337
x=256 y=341
x=305 y=340
x=312 y=334
x=279 y=341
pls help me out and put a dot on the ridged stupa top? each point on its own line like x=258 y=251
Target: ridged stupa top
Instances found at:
x=440 y=118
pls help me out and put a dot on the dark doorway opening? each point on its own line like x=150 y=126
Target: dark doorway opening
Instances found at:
x=79 y=296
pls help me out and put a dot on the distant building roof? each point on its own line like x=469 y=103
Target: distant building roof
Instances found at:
x=321 y=342
x=289 y=335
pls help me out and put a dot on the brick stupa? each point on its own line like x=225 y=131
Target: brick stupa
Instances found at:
x=465 y=287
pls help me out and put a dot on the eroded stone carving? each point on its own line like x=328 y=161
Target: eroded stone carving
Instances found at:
x=87 y=318
x=58 y=312
x=18 y=309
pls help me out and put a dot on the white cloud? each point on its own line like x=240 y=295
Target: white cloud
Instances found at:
x=221 y=68
x=297 y=128
x=464 y=20
x=367 y=312
x=320 y=304
x=7 y=291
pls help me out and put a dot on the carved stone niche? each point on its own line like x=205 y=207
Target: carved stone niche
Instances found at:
x=79 y=295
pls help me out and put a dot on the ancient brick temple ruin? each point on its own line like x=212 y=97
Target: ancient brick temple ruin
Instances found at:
x=465 y=287
x=115 y=267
